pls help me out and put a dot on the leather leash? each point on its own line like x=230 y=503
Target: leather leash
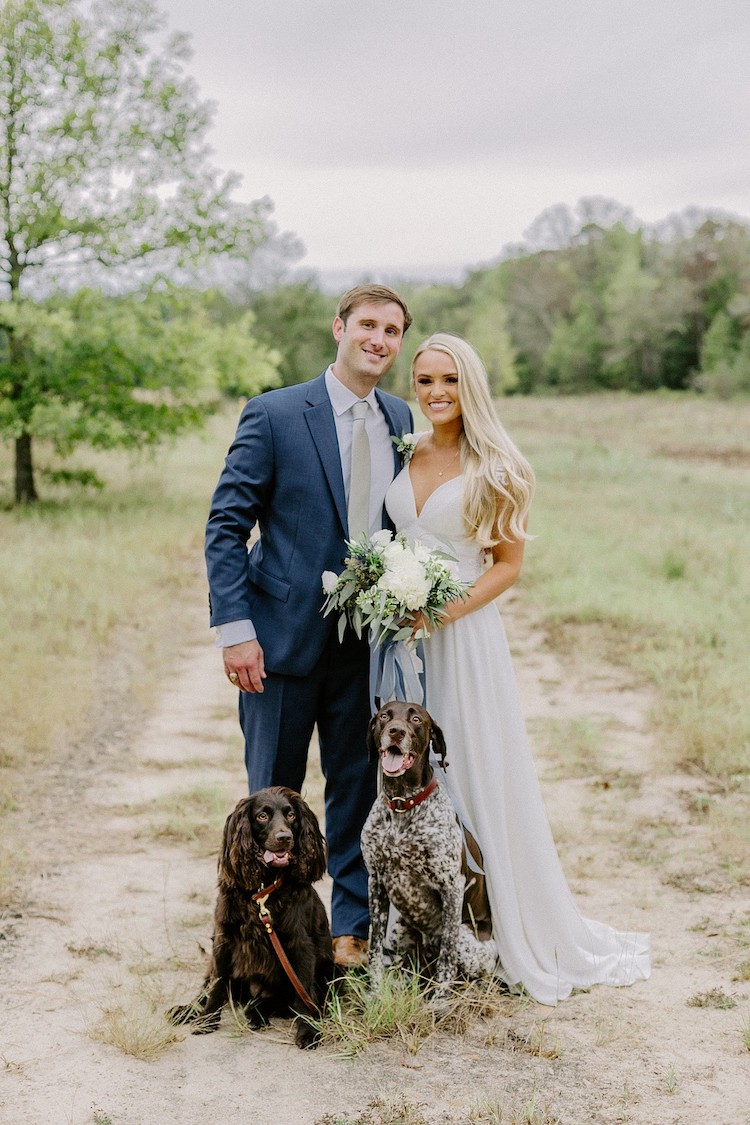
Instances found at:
x=260 y=898
x=406 y=804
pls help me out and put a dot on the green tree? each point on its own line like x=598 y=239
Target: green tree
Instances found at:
x=103 y=167
x=538 y=292
x=725 y=353
x=573 y=358
x=296 y=320
x=122 y=371
x=643 y=308
x=487 y=329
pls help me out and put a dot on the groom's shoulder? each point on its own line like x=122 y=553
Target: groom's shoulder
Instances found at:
x=283 y=399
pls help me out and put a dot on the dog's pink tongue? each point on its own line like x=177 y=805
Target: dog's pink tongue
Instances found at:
x=392 y=761
x=276 y=859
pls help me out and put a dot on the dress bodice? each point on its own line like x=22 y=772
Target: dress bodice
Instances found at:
x=440 y=524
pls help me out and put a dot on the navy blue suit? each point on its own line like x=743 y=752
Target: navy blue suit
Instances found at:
x=283 y=474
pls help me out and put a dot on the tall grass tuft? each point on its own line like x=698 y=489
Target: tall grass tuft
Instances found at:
x=401 y=1009
x=137 y=1025
x=355 y=1017
x=744 y=1030
x=498 y=1111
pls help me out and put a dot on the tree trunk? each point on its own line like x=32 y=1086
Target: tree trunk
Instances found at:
x=25 y=490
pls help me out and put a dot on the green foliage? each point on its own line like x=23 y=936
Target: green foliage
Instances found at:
x=123 y=371
x=104 y=167
x=487 y=328
x=593 y=301
x=642 y=307
x=103 y=152
x=295 y=320
x=725 y=354
x=572 y=361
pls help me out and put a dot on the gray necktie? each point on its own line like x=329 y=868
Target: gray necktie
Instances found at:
x=358 y=509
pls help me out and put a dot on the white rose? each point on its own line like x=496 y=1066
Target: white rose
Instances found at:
x=393 y=552
x=329 y=580
x=381 y=538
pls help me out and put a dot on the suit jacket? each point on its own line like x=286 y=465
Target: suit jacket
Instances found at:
x=283 y=473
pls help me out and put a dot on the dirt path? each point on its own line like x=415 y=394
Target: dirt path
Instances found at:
x=124 y=899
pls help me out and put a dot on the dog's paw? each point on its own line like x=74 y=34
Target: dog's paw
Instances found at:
x=439 y=1002
x=306 y=1036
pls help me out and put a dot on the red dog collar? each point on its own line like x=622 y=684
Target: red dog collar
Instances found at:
x=406 y=804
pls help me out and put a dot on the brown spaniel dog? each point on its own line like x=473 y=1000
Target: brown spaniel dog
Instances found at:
x=272 y=850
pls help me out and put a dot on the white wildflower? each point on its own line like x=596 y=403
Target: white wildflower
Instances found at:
x=329 y=580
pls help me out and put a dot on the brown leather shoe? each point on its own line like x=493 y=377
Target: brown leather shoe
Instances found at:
x=350 y=952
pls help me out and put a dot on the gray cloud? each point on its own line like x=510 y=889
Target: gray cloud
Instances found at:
x=613 y=95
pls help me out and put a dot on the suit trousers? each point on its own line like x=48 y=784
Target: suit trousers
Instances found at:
x=278 y=725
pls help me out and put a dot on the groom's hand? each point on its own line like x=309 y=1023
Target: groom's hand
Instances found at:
x=244 y=665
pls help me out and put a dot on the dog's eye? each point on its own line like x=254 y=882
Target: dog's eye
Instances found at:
x=262 y=817
x=291 y=814
x=416 y=720
x=384 y=715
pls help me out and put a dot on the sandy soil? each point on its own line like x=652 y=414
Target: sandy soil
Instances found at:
x=116 y=911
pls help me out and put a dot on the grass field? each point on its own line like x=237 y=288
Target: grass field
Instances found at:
x=642 y=525
x=95 y=587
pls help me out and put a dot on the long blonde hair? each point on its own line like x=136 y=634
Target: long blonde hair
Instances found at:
x=498 y=480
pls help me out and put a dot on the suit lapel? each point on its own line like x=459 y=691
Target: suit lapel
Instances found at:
x=320 y=421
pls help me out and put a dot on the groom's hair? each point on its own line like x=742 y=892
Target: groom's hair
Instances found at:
x=382 y=294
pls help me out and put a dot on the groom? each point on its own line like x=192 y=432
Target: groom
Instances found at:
x=291 y=472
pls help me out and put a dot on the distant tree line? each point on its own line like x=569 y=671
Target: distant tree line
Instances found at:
x=592 y=300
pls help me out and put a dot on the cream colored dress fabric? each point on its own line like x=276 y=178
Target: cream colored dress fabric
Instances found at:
x=545 y=944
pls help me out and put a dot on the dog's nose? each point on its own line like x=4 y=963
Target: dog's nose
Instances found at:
x=396 y=733
x=283 y=836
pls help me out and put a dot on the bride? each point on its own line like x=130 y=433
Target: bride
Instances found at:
x=468 y=484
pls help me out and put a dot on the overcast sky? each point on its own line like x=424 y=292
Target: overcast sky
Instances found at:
x=395 y=135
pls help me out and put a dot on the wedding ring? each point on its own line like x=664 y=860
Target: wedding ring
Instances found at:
x=234 y=677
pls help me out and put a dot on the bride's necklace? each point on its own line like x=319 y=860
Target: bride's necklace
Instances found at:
x=448 y=465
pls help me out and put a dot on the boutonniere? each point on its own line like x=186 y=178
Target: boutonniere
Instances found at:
x=405 y=446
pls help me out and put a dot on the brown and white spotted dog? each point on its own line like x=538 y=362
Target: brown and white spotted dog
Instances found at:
x=413 y=847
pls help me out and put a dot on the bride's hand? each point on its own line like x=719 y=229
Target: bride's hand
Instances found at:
x=422 y=628
x=419 y=627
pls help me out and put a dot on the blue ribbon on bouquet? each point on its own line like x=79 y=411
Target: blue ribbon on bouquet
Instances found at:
x=397 y=672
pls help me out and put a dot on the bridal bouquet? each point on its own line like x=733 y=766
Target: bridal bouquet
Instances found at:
x=387 y=578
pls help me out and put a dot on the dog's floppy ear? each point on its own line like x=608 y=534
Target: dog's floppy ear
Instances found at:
x=372 y=746
x=437 y=744
x=238 y=863
x=311 y=846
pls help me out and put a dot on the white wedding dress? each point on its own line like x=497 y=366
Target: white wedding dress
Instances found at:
x=545 y=944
